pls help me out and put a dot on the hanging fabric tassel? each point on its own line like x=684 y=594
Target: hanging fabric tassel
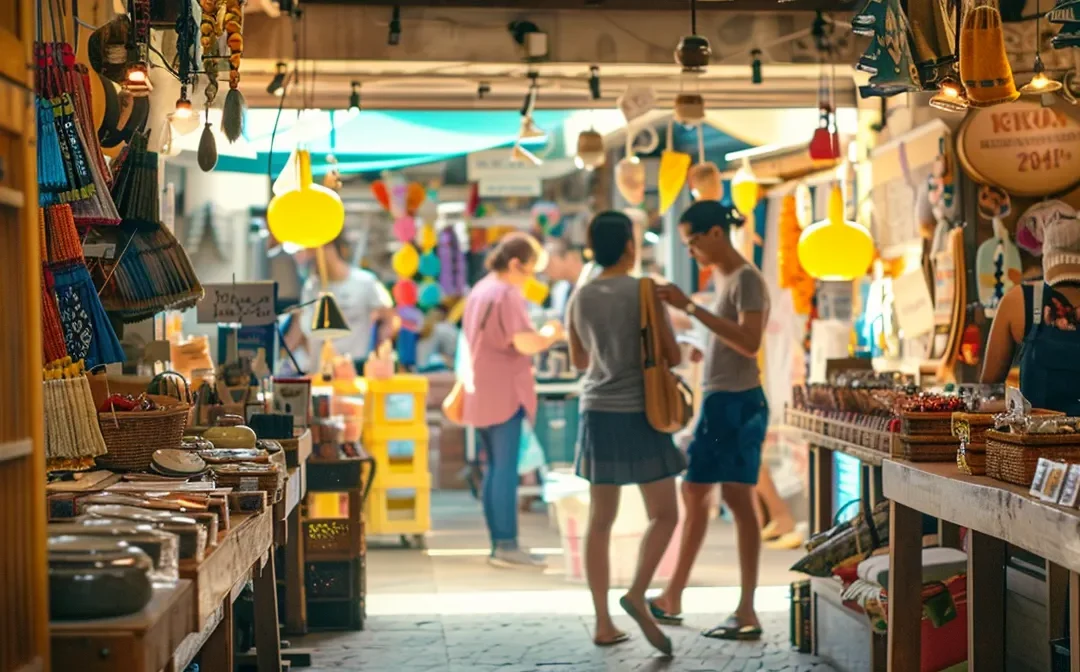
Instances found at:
x=51 y=331
x=232 y=118
x=63 y=243
x=984 y=64
x=50 y=166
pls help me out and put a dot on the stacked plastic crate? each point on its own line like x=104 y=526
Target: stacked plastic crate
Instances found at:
x=396 y=436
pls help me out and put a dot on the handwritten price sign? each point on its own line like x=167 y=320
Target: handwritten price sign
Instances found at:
x=246 y=303
x=1023 y=147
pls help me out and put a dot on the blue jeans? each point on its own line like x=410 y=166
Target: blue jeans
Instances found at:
x=502 y=443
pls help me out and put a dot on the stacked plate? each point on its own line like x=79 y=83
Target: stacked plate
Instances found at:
x=177 y=463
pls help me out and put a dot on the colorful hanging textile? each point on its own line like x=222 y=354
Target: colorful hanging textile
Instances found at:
x=984 y=64
x=51 y=331
x=933 y=40
x=88 y=334
x=889 y=57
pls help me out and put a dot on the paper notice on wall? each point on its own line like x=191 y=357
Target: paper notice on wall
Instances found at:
x=829 y=339
x=245 y=303
x=913 y=305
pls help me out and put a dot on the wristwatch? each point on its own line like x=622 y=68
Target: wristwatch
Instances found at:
x=691 y=309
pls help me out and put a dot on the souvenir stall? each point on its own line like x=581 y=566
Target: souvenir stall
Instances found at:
x=962 y=207
x=171 y=500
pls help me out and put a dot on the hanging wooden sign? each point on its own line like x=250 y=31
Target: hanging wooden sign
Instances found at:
x=1022 y=147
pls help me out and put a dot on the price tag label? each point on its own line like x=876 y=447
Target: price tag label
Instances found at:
x=636 y=102
x=248 y=304
x=248 y=484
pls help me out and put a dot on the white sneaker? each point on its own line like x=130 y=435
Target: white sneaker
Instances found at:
x=516 y=559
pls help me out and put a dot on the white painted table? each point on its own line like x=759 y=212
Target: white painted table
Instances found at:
x=996 y=514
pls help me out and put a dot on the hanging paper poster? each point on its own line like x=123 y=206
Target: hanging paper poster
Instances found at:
x=244 y=303
x=914 y=307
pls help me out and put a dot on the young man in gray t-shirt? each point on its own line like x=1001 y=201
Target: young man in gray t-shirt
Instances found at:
x=726 y=447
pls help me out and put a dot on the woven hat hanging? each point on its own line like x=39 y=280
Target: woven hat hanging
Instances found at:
x=984 y=65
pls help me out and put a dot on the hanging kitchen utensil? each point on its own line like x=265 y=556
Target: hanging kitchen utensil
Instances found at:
x=671 y=176
x=984 y=63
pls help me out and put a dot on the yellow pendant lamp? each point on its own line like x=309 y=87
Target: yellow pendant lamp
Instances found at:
x=672 y=174
x=745 y=189
x=834 y=248
x=309 y=216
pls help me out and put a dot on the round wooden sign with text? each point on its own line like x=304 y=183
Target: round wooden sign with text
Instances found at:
x=1022 y=147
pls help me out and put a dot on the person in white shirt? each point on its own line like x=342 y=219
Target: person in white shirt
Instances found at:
x=363 y=300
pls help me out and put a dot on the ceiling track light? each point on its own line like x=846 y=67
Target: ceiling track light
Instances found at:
x=482 y=90
x=394 y=37
x=594 y=82
x=276 y=87
x=354 y=97
x=755 y=67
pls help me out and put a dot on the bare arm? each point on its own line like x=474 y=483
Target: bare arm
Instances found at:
x=578 y=356
x=1006 y=331
x=531 y=342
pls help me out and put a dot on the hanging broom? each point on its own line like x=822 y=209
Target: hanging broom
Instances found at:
x=232 y=118
x=984 y=65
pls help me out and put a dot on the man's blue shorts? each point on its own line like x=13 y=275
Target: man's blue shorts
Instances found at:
x=727 y=440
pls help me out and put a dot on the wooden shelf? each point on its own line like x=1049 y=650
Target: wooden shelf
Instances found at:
x=141 y=642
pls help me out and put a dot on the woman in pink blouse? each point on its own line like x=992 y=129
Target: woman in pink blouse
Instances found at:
x=500 y=390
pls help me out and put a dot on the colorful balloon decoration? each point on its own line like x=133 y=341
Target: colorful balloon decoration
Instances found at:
x=452 y=266
x=405 y=261
x=430 y=294
x=405 y=292
x=429 y=265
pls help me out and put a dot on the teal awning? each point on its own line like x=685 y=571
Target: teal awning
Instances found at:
x=375 y=141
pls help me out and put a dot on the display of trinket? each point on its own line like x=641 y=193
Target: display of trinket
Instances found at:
x=238 y=436
x=162 y=547
x=192 y=535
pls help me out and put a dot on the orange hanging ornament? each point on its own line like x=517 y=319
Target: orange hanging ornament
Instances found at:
x=792 y=275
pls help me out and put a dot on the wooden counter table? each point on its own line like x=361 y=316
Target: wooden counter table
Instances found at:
x=996 y=514
x=142 y=642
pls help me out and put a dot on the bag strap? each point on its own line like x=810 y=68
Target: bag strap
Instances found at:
x=648 y=350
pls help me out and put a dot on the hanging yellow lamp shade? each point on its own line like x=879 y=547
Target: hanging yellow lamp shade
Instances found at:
x=745 y=189
x=834 y=248
x=309 y=216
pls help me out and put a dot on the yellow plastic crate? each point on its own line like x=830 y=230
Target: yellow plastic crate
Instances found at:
x=398 y=451
x=402 y=508
x=397 y=402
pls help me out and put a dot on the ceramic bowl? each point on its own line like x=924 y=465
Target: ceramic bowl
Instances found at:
x=162 y=547
x=96 y=577
x=177 y=462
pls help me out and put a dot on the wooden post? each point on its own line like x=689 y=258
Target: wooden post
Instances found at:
x=295 y=601
x=905 y=588
x=1074 y=621
x=217 y=653
x=1057 y=596
x=949 y=535
x=986 y=603
x=267 y=637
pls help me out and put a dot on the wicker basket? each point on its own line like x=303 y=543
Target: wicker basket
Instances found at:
x=936 y=424
x=971 y=459
x=928 y=448
x=1013 y=458
x=973 y=426
x=132 y=437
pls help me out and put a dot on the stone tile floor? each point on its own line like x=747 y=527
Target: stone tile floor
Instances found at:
x=446 y=610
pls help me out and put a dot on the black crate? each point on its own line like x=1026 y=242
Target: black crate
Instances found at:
x=336 y=475
x=1060 y=656
x=336 y=614
x=335 y=580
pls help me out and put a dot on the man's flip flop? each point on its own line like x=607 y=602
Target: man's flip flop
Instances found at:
x=662 y=617
x=730 y=630
x=661 y=643
x=621 y=638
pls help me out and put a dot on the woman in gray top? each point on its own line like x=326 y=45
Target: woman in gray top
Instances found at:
x=617 y=445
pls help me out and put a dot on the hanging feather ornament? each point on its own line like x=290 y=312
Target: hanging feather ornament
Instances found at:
x=984 y=63
x=232 y=119
x=207 y=154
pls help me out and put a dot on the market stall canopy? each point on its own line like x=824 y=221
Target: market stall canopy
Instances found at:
x=369 y=142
